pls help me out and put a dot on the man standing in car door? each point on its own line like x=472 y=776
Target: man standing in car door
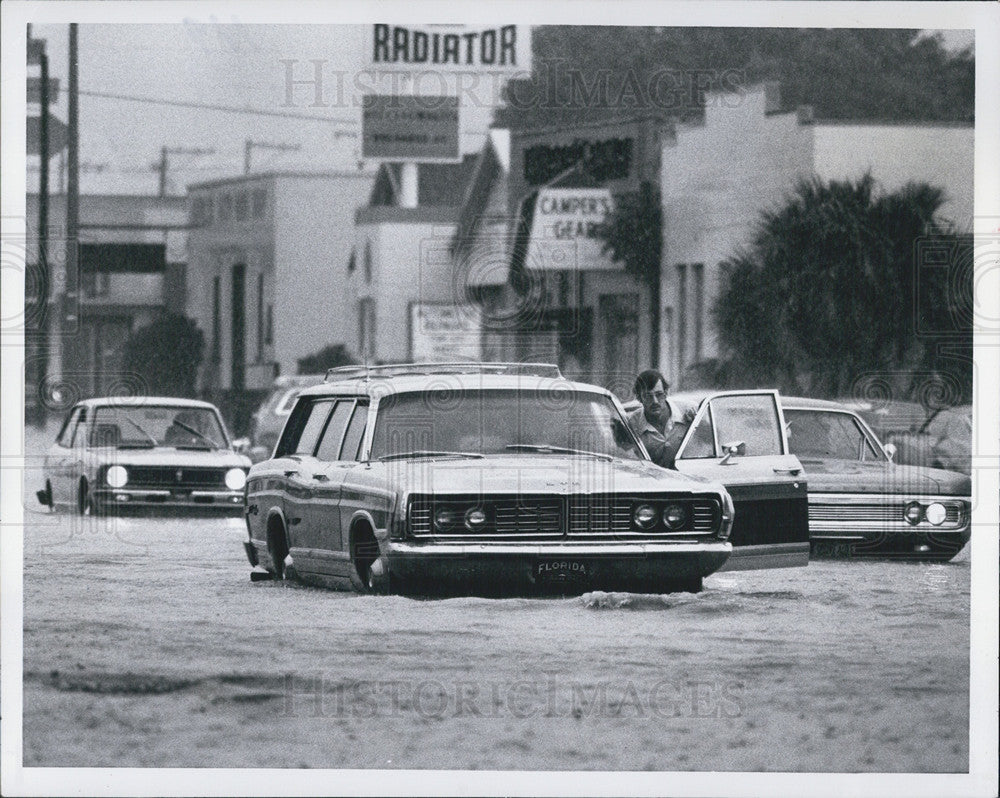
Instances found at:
x=658 y=423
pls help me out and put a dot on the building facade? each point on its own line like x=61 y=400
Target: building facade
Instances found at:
x=131 y=256
x=406 y=304
x=745 y=158
x=537 y=267
x=267 y=272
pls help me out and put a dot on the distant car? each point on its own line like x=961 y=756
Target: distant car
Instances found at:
x=270 y=417
x=153 y=452
x=861 y=502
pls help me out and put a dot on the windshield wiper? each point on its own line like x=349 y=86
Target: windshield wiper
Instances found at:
x=544 y=448
x=429 y=453
x=211 y=444
x=152 y=440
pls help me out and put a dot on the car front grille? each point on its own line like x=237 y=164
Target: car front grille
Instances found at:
x=881 y=514
x=569 y=519
x=176 y=477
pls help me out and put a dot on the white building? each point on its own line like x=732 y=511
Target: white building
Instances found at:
x=717 y=177
x=268 y=267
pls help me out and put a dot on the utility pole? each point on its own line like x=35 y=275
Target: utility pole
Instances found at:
x=263 y=145
x=162 y=165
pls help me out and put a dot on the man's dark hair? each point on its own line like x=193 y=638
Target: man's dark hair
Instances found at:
x=647 y=380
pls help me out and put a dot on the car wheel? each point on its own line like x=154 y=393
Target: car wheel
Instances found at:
x=277 y=546
x=364 y=553
x=83 y=501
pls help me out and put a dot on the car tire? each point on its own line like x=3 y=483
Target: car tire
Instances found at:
x=49 y=501
x=277 y=547
x=364 y=552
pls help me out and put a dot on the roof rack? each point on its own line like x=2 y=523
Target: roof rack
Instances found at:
x=411 y=369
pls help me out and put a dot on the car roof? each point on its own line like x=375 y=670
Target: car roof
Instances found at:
x=380 y=386
x=143 y=401
x=808 y=403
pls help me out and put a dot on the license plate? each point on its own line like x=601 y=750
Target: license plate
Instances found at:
x=561 y=570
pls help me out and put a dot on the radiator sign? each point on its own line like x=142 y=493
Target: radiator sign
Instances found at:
x=504 y=48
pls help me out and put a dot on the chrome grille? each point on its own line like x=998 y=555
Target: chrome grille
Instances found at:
x=597 y=516
x=167 y=477
x=420 y=519
x=874 y=514
x=534 y=518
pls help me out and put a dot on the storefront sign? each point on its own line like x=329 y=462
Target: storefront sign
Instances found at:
x=441 y=333
x=402 y=127
x=505 y=48
x=567 y=229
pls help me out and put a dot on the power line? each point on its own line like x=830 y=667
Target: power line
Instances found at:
x=232 y=109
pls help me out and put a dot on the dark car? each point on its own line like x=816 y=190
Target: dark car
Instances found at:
x=861 y=502
x=270 y=417
x=487 y=478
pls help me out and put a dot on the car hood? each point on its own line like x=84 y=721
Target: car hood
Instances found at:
x=848 y=476
x=169 y=456
x=550 y=474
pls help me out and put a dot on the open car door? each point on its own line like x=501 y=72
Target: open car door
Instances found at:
x=738 y=438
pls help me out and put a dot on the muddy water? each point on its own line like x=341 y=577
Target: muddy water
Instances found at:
x=145 y=644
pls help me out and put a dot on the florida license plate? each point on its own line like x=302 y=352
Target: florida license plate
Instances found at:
x=561 y=570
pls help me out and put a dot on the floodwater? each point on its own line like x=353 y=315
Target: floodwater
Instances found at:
x=146 y=644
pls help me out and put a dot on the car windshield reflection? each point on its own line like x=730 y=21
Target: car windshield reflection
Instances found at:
x=501 y=422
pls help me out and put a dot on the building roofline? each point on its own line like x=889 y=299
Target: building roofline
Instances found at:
x=958 y=123
x=258 y=176
x=666 y=119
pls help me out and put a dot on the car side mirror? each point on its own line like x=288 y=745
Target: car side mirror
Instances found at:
x=736 y=448
x=890 y=449
x=241 y=445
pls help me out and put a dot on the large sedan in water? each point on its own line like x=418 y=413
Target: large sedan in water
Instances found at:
x=861 y=502
x=149 y=452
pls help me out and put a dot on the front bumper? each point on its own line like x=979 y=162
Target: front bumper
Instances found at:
x=221 y=500
x=594 y=566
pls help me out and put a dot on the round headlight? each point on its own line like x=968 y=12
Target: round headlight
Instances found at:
x=117 y=476
x=913 y=513
x=644 y=516
x=936 y=513
x=674 y=516
x=236 y=478
x=475 y=519
x=444 y=519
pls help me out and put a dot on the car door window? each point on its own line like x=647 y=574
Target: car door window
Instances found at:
x=80 y=429
x=329 y=445
x=304 y=427
x=65 y=436
x=750 y=419
x=355 y=433
x=835 y=436
x=702 y=441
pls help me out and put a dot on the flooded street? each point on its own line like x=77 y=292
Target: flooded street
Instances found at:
x=146 y=644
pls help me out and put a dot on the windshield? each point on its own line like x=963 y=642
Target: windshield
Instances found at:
x=827 y=435
x=156 y=425
x=520 y=422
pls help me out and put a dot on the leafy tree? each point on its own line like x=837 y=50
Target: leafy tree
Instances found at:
x=633 y=236
x=166 y=354
x=596 y=72
x=326 y=358
x=828 y=289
